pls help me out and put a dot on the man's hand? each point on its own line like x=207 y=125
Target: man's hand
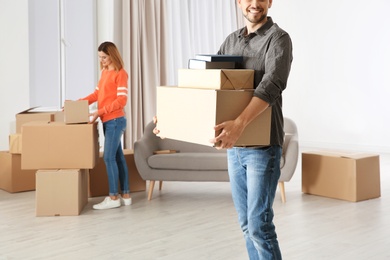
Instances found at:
x=155 y=130
x=230 y=131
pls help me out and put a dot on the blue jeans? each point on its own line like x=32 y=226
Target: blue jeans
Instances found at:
x=254 y=175
x=113 y=156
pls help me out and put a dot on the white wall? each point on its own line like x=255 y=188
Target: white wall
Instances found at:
x=338 y=92
x=14 y=65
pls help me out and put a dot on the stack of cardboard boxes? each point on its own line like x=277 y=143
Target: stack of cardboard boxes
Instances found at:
x=209 y=93
x=12 y=177
x=62 y=151
x=60 y=159
x=204 y=98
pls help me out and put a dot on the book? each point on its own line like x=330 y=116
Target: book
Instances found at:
x=215 y=57
x=202 y=64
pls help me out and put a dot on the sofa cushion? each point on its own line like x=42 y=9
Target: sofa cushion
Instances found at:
x=189 y=161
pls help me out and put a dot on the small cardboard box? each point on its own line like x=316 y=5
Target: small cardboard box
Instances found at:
x=76 y=112
x=12 y=177
x=61 y=192
x=33 y=114
x=15 y=143
x=189 y=114
x=228 y=79
x=56 y=145
x=345 y=176
x=98 y=182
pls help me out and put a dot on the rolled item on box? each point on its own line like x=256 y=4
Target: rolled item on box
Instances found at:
x=15 y=143
x=190 y=114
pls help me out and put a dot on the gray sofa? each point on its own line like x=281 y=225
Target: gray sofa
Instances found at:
x=199 y=163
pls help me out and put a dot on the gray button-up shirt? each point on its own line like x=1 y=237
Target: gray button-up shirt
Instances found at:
x=268 y=51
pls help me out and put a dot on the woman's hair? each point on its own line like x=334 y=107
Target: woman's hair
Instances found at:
x=110 y=49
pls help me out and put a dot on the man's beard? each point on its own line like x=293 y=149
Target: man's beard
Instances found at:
x=256 y=21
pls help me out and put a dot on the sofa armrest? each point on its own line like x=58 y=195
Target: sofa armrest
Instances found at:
x=290 y=159
x=143 y=149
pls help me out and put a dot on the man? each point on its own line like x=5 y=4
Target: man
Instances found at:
x=254 y=171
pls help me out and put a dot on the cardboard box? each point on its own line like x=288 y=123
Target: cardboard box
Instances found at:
x=345 y=176
x=228 y=79
x=76 y=112
x=12 y=177
x=189 y=115
x=33 y=114
x=15 y=143
x=61 y=192
x=56 y=145
x=98 y=181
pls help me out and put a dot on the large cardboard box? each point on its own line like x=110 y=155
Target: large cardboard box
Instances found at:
x=216 y=78
x=61 y=192
x=98 y=181
x=12 y=177
x=76 y=112
x=189 y=114
x=33 y=114
x=56 y=145
x=340 y=175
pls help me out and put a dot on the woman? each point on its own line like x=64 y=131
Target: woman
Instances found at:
x=111 y=95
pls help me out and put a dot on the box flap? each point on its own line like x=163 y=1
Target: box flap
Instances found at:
x=25 y=111
x=39 y=109
x=343 y=154
x=44 y=109
x=234 y=80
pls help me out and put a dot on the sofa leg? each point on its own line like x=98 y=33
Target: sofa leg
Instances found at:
x=151 y=187
x=282 y=191
x=160 y=186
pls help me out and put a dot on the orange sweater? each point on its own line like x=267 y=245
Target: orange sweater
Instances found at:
x=111 y=94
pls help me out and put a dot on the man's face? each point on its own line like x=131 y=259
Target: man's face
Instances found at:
x=255 y=11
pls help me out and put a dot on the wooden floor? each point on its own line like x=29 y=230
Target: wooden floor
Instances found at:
x=197 y=221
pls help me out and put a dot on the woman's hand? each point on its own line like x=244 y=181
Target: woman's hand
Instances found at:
x=93 y=117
